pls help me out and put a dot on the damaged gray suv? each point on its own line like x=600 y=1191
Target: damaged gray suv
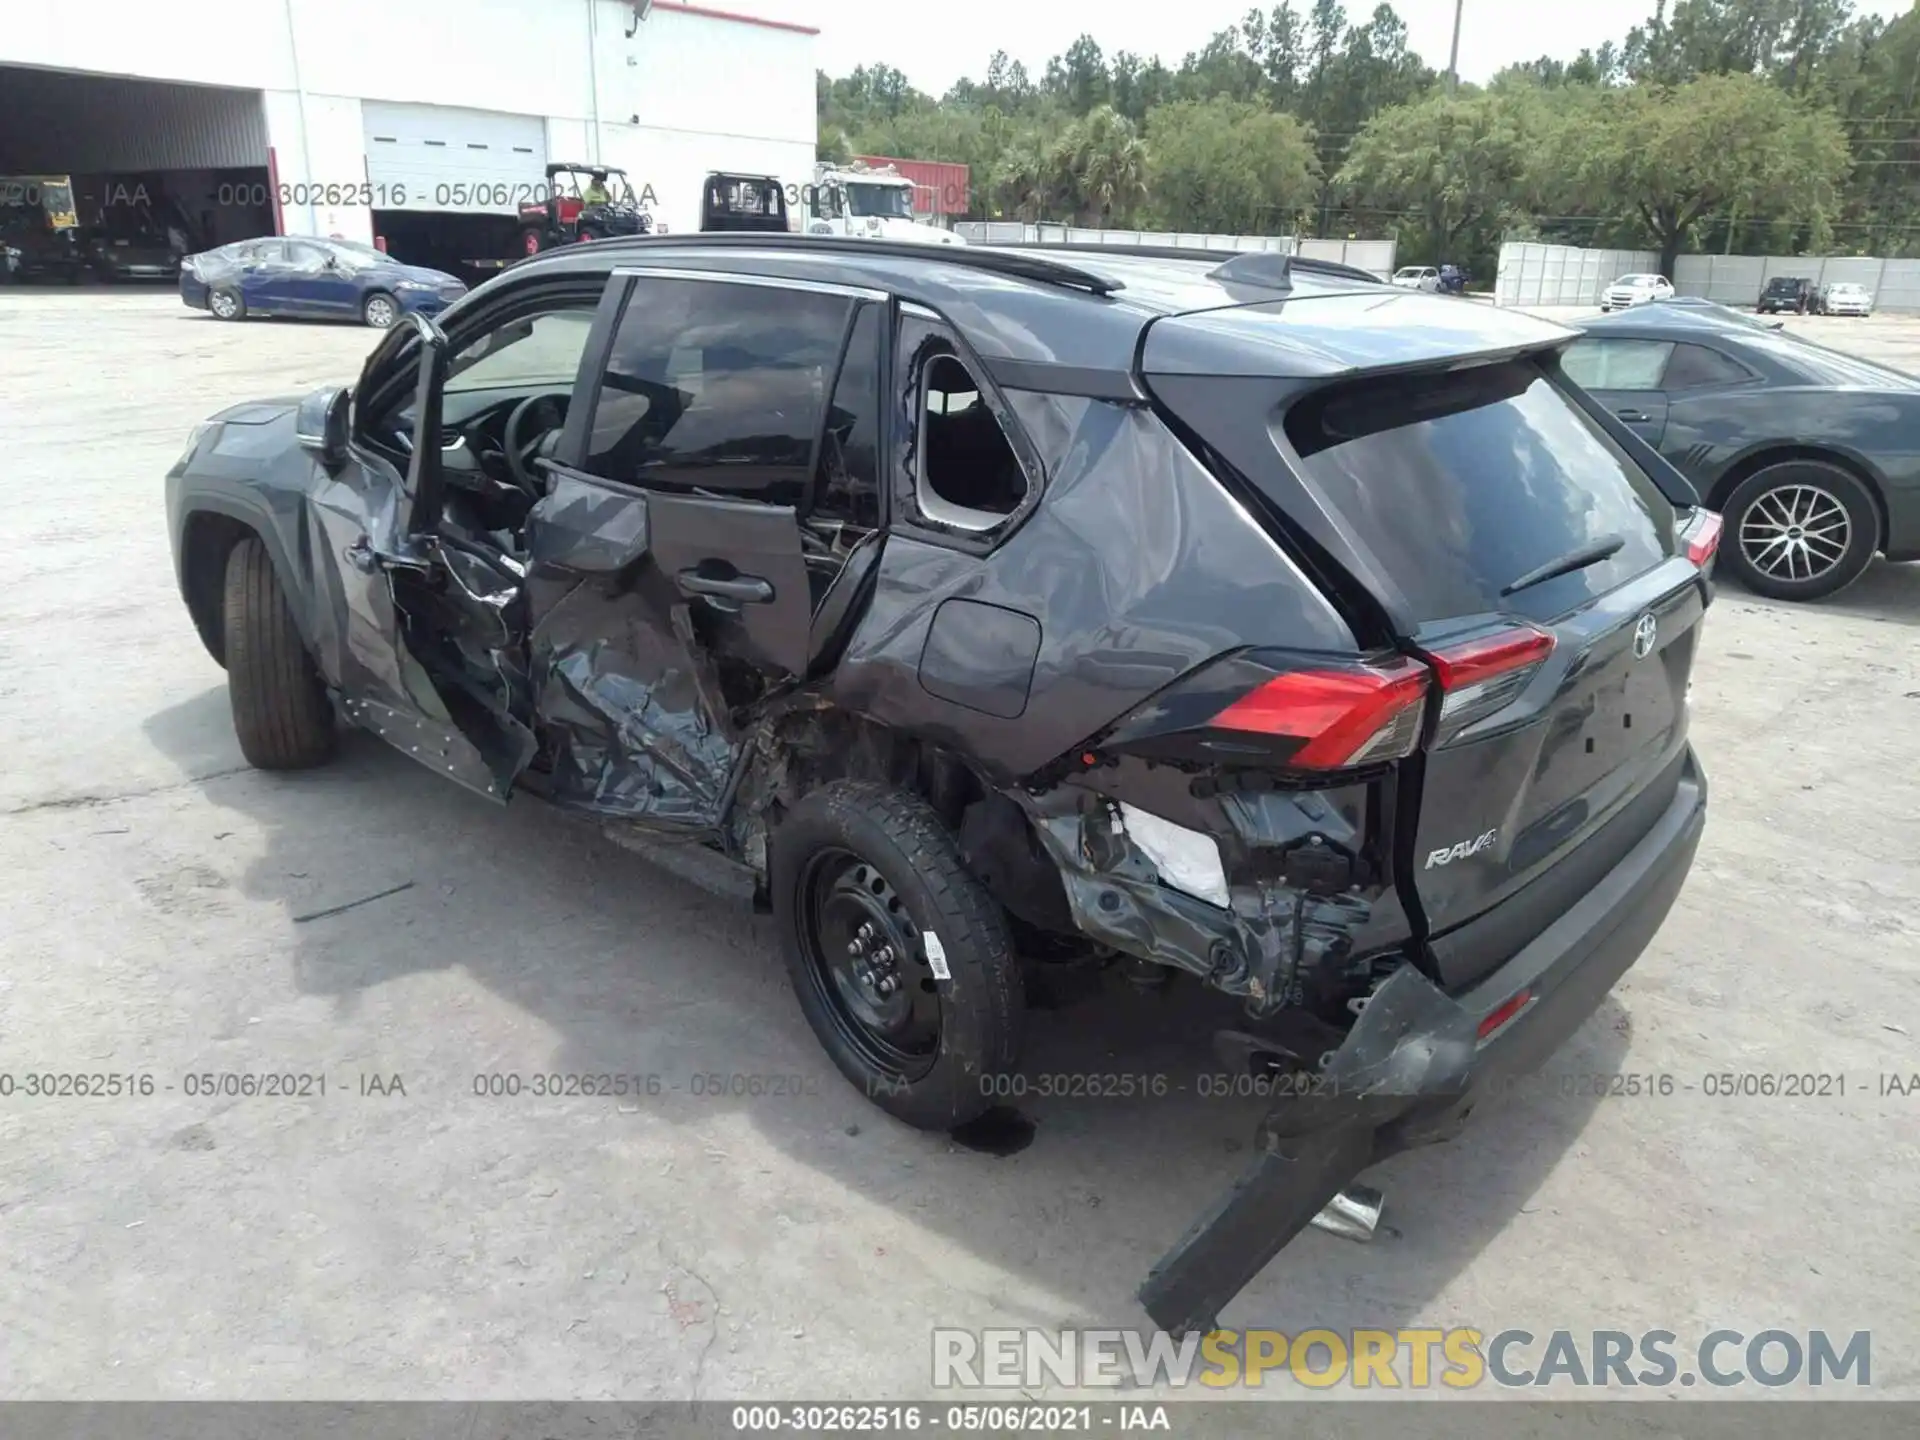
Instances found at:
x=1248 y=617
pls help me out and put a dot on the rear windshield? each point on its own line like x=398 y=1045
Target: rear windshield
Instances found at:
x=1460 y=484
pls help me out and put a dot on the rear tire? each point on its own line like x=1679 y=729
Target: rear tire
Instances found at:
x=532 y=240
x=1800 y=530
x=852 y=855
x=281 y=712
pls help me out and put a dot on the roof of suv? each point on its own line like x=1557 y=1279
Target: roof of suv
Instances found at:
x=1085 y=309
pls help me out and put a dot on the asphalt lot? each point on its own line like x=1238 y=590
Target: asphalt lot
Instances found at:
x=162 y=917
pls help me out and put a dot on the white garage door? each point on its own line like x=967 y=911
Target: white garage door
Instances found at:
x=432 y=157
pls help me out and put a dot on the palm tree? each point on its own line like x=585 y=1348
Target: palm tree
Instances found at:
x=1107 y=165
x=1022 y=180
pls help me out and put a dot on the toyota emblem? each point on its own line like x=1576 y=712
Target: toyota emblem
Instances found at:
x=1644 y=634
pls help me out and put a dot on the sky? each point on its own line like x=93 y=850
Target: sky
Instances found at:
x=937 y=44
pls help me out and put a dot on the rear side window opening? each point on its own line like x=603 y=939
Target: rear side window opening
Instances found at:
x=1462 y=482
x=968 y=476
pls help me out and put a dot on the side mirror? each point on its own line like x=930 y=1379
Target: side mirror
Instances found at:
x=320 y=425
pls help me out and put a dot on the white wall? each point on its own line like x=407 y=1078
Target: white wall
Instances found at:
x=1739 y=279
x=1535 y=274
x=1532 y=274
x=687 y=94
x=216 y=42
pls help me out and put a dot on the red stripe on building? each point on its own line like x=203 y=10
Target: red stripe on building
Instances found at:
x=736 y=17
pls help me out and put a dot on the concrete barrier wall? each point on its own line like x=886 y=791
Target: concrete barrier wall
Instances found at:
x=1374 y=256
x=1739 y=279
x=1535 y=274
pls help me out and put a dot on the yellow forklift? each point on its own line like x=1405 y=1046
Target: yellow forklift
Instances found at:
x=39 y=229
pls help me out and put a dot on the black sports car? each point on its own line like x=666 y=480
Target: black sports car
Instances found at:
x=1812 y=455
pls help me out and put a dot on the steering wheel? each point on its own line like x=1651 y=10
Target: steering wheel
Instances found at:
x=550 y=411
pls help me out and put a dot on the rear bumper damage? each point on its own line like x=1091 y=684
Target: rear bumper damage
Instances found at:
x=1414 y=1066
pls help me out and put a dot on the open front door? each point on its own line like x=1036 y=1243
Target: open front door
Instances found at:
x=427 y=630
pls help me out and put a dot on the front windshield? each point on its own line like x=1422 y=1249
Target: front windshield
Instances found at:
x=578 y=184
x=543 y=351
x=892 y=201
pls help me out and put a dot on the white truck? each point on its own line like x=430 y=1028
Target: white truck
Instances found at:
x=873 y=202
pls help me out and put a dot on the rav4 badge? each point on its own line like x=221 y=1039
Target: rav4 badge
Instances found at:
x=1461 y=851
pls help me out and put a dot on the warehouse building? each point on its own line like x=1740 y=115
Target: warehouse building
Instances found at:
x=421 y=122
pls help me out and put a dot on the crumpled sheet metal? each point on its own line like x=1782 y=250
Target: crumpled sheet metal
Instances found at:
x=629 y=734
x=1256 y=950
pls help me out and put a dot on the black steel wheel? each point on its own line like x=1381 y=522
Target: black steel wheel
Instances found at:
x=899 y=958
x=869 y=967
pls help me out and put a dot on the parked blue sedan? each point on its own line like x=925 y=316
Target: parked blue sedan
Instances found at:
x=312 y=278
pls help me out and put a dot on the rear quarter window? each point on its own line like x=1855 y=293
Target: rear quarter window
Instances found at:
x=1461 y=483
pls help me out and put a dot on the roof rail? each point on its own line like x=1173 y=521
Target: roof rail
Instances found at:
x=1257 y=267
x=1019 y=264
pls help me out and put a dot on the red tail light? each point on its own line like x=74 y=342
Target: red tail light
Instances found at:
x=1356 y=716
x=1486 y=674
x=1702 y=537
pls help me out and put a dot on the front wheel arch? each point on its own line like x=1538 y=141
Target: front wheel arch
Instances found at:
x=212 y=527
x=205 y=543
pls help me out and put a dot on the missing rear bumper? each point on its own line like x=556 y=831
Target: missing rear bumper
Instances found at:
x=1415 y=1064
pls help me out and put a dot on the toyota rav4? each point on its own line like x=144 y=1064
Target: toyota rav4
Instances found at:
x=1252 y=619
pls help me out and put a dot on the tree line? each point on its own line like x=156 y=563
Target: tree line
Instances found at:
x=1724 y=125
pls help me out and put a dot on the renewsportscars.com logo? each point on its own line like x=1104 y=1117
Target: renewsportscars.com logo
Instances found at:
x=1460 y=1358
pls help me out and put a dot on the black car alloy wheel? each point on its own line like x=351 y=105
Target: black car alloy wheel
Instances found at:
x=867 y=965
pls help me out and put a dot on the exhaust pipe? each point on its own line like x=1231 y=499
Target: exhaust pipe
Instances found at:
x=1353 y=1214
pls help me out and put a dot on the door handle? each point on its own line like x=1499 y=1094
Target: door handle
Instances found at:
x=1632 y=417
x=742 y=589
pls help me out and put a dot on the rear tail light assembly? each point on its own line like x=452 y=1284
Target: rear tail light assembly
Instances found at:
x=1701 y=536
x=1321 y=718
x=1339 y=717
x=1486 y=674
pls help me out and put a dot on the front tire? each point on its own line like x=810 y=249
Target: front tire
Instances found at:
x=225 y=303
x=281 y=712
x=532 y=240
x=380 y=310
x=872 y=902
x=1800 y=530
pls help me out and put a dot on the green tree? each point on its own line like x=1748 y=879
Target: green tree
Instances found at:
x=1102 y=162
x=1460 y=162
x=1670 y=156
x=1227 y=165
